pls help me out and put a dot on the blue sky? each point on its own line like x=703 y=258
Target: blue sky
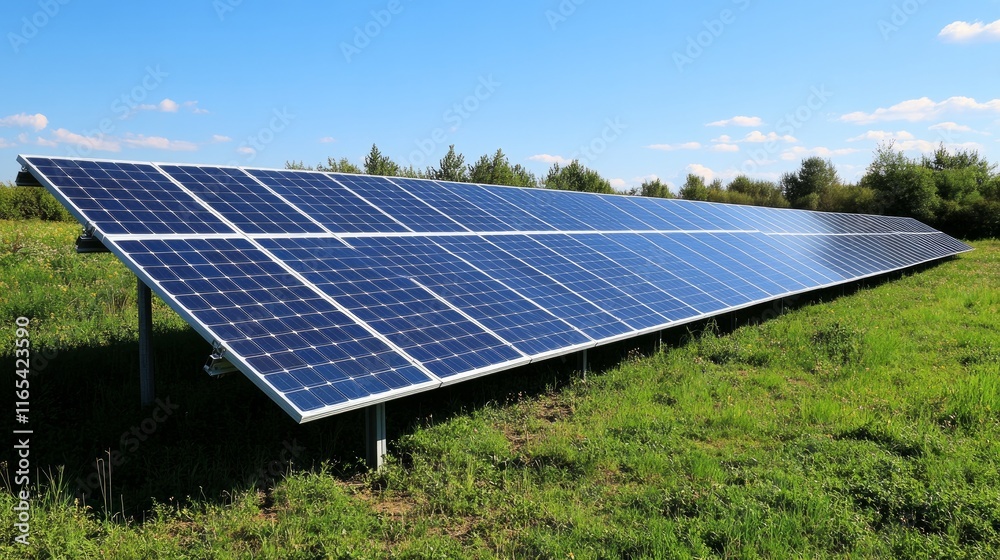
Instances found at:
x=634 y=89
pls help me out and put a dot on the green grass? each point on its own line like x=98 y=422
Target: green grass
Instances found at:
x=863 y=427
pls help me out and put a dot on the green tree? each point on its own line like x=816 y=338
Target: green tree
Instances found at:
x=854 y=199
x=332 y=166
x=694 y=188
x=804 y=188
x=451 y=168
x=341 y=165
x=577 y=177
x=655 y=188
x=412 y=172
x=744 y=190
x=497 y=170
x=297 y=165
x=378 y=164
x=942 y=160
x=902 y=186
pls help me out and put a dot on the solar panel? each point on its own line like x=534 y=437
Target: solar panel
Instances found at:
x=332 y=292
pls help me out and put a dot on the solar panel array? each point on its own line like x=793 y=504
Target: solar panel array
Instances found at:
x=333 y=292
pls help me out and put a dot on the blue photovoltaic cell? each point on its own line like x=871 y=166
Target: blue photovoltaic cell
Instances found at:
x=399 y=204
x=663 y=211
x=533 y=284
x=505 y=313
x=466 y=213
x=670 y=253
x=799 y=275
x=541 y=207
x=600 y=291
x=484 y=196
x=755 y=282
x=585 y=251
x=126 y=198
x=442 y=339
x=618 y=249
x=591 y=211
x=327 y=202
x=633 y=206
x=297 y=341
x=241 y=200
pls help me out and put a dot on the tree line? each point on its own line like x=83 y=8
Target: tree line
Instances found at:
x=956 y=192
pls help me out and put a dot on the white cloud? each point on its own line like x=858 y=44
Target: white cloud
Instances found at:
x=738 y=121
x=882 y=136
x=159 y=143
x=193 y=105
x=327 y=140
x=618 y=184
x=757 y=137
x=4 y=143
x=725 y=148
x=99 y=143
x=546 y=158
x=724 y=139
x=965 y=32
x=246 y=150
x=47 y=143
x=799 y=152
x=675 y=147
x=220 y=139
x=923 y=109
x=955 y=127
x=169 y=106
x=950 y=127
x=37 y=121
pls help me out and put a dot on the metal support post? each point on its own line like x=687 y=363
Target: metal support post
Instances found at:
x=375 y=441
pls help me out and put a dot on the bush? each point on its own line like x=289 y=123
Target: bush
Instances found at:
x=31 y=203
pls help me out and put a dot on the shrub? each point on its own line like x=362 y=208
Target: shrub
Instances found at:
x=31 y=203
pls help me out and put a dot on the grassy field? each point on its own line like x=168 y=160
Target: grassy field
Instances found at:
x=864 y=426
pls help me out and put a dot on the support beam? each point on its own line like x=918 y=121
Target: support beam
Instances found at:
x=147 y=391
x=583 y=364
x=376 y=446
